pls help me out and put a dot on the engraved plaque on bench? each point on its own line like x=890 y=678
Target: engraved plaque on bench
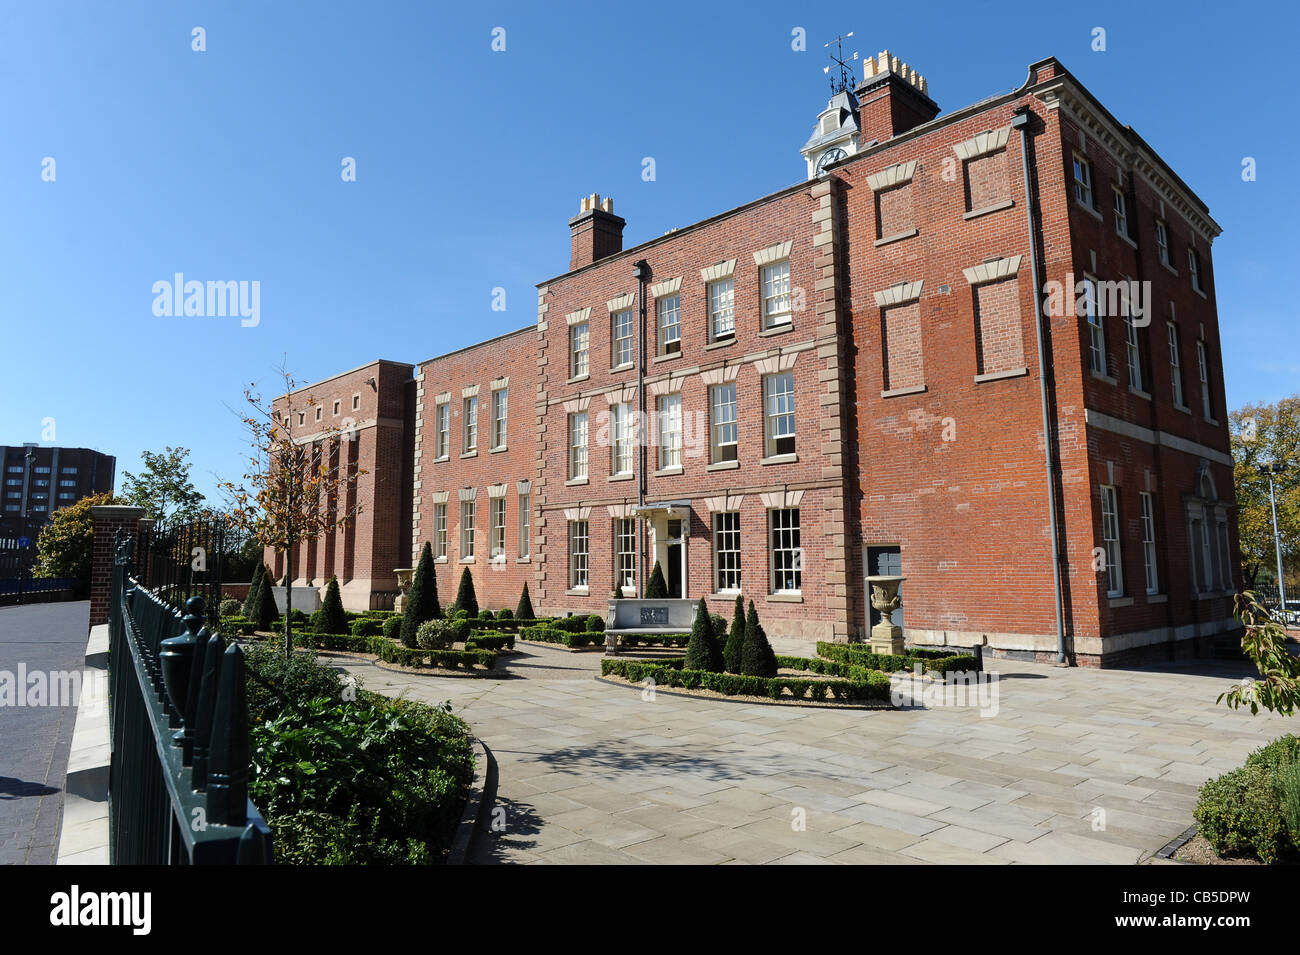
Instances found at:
x=654 y=616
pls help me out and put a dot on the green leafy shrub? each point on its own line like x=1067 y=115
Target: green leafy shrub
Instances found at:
x=332 y=618
x=250 y=600
x=435 y=634
x=735 y=645
x=505 y=613
x=595 y=623
x=872 y=687
x=931 y=661
x=368 y=627
x=657 y=587
x=490 y=640
x=264 y=612
x=1240 y=812
x=422 y=599
x=393 y=628
x=230 y=607
x=549 y=634
x=756 y=656
x=274 y=680
x=524 y=610
x=702 y=651
x=573 y=624
x=465 y=597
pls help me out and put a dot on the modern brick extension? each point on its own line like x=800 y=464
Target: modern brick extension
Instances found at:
x=843 y=378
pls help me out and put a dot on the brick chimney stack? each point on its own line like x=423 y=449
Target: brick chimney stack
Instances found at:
x=892 y=99
x=597 y=232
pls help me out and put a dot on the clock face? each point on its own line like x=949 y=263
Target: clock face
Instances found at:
x=828 y=157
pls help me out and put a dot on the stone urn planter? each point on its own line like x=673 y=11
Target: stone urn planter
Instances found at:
x=405 y=575
x=886 y=636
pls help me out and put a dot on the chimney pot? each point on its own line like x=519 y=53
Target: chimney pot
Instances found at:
x=595 y=232
x=894 y=97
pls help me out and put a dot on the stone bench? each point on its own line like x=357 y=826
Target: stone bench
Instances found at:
x=648 y=618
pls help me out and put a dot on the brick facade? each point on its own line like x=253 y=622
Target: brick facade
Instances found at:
x=875 y=330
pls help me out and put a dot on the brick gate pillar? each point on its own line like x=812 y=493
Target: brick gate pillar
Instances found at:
x=109 y=519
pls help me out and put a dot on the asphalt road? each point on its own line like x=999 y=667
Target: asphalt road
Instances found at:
x=34 y=739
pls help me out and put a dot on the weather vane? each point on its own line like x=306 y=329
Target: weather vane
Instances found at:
x=842 y=82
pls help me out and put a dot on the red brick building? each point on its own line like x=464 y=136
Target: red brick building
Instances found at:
x=980 y=350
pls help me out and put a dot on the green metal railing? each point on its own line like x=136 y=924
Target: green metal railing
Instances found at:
x=178 y=777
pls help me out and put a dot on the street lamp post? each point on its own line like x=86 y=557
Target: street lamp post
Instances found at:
x=1268 y=471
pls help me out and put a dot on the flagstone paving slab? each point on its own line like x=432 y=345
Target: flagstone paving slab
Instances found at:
x=593 y=773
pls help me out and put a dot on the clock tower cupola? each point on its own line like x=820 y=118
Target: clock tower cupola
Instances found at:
x=836 y=135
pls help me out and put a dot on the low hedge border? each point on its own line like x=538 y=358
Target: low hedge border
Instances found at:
x=873 y=687
x=574 y=641
x=651 y=640
x=390 y=651
x=492 y=640
x=860 y=655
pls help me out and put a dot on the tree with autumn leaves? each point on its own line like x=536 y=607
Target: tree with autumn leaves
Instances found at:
x=301 y=479
x=1267 y=434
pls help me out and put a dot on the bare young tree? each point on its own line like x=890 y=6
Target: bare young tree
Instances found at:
x=300 y=483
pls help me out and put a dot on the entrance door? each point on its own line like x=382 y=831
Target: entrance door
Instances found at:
x=676 y=559
x=884 y=561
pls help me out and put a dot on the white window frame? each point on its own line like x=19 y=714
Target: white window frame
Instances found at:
x=1194 y=268
x=1151 y=572
x=726 y=552
x=500 y=417
x=1175 y=364
x=580 y=350
x=525 y=524
x=440 y=531
x=724 y=423
x=469 y=434
x=779 y=421
x=669 y=312
x=578 y=446
x=1203 y=368
x=1121 y=212
x=467 y=530
x=722 y=309
x=1162 y=242
x=776 y=292
x=1133 y=348
x=579 y=555
x=442 y=426
x=668 y=418
x=622 y=446
x=497 y=522
x=785 y=543
x=622 y=337
x=1083 y=183
x=1110 y=537
x=1097 y=358
x=625 y=554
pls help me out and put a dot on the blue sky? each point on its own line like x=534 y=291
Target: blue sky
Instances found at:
x=225 y=165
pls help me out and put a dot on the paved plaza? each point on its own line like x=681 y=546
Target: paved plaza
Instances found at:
x=34 y=740
x=1078 y=766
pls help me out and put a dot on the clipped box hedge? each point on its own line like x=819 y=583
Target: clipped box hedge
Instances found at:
x=871 y=685
x=653 y=640
x=490 y=640
x=549 y=634
x=860 y=654
x=390 y=651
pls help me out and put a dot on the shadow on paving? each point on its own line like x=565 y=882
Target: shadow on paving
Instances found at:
x=621 y=756
x=11 y=788
x=507 y=827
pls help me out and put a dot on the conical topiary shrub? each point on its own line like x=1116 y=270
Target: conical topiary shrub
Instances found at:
x=332 y=619
x=735 y=644
x=657 y=588
x=757 y=658
x=421 y=599
x=465 y=599
x=525 y=609
x=250 y=601
x=703 y=652
x=264 y=611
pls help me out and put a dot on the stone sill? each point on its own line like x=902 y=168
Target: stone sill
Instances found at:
x=1201 y=293
x=667 y=356
x=723 y=466
x=1214 y=594
x=899 y=392
x=1114 y=602
x=445 y=457
x=1169 y=268
x=617 y=368
x=1157 y=598
x=723 y=595
x=1213 y=421
x=576 y=482
x=1126 y=239
x=440 y=560
x=1001 y=375
x=1106 y=378
x=895 y=238
x=785 y=598
x=720 y=343
x=620 y=477
x=465 y=560
x=996 y=207
x=523 y=560
x=470 y=454
x=779 y=459
x=578 y=592
x=668 y=472
x=780 y=329
x=498 y=450
x=575 y=380
x=1090 y=210
x=1139 y=392
x=1183 y=408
